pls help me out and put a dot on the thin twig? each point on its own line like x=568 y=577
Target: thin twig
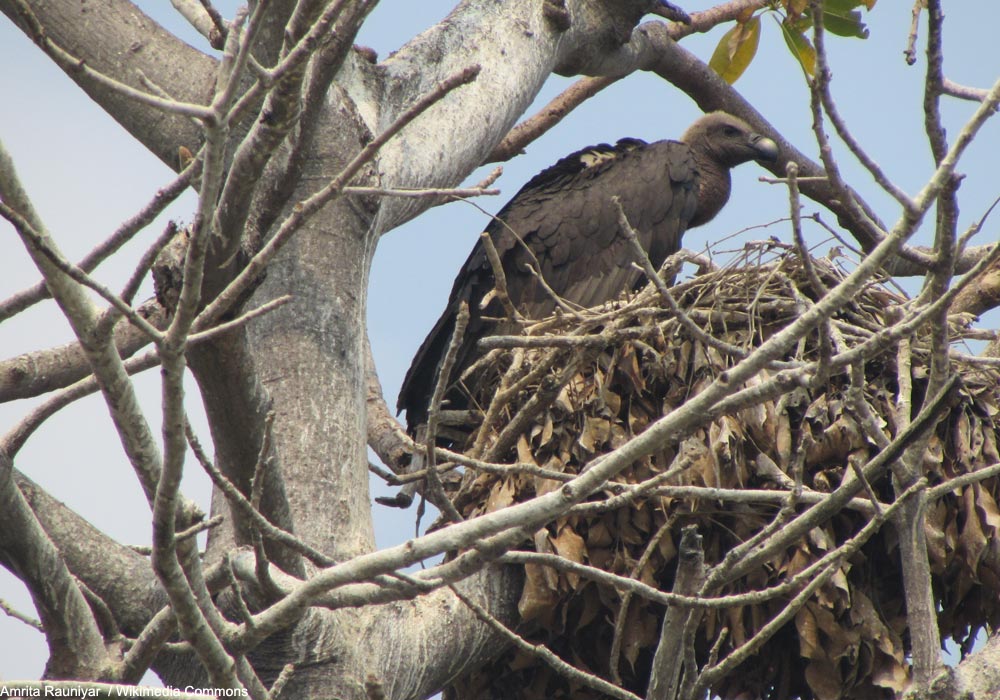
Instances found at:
x=11 y=611
x=863 y=415
x=541 y=399
x=619 y=631
x=795 y=209
x=124 y=233
x=146 y=261
x=642 y=257
x=147 y=645
x=440 y=389
x=198 y=528
x=559 y=301
x=242 y=503
x=241 y=320
x=518 y=138
x=821 y=88
x=819 y=97
x=73 y=65
x=246 y=617
x=910 y=53
x=15 y=438
x=421 y=192
x=543 y=654
x=963 y=92
x=40 y=242
x=953 y=484
x=279 y=684
x=499 y=278
x=832 y=564
x=306 y=209
x=81 y=313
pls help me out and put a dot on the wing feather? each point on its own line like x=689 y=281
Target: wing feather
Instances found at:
x=564 y=224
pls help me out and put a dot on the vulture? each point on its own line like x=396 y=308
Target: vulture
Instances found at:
x=564 y=225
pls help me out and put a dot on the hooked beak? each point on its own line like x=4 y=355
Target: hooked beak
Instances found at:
x=766 y=149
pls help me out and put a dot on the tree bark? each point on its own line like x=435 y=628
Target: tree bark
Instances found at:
x=306 y=360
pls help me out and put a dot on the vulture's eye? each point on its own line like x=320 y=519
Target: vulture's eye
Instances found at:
x=730 y=131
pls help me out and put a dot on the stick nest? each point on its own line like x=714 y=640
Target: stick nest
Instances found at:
x=611 y=373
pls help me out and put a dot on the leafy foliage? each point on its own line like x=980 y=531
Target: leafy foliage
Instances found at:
x=847 y=640
x=736 y=49
x=738 y=46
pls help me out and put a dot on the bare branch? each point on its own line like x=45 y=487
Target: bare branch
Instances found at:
x=551 y=114
x=579 y=92
x=286 y=675
x=962 y=92
x=910 y=53
x=417 y=192
x=240 y=320
x=119 y=394
x=642 y=257
x=148 y=644
x=499 y=278
x=207 y=23
x=306 y=209
x=10 y=611
x=669 y=673
x=15 y=438
x=821 y=89
x=42 y=371
x=567 y=670
x=176 y=563
x=163 y=198
x=40 y=244
x=199 y=528
x=73 y=65
x=933 y=81
x=252 y=513
x=386 y=437
x=75 y=642
x=440 y=388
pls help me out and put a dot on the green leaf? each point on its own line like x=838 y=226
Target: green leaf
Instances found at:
x=841 y=18
x=736 y=49
x=800 y=47
x=840 y=7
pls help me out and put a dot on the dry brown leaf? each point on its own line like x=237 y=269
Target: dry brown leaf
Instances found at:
x=935 y=515
x=640 y=633
x=972 y=538
x=570 y=545
x=500 y=497
x=543 y=485
x=824 y=680
x=538 y=598
x=594 y=434
x=810 y=644
x=852 y=640
x=889 y=673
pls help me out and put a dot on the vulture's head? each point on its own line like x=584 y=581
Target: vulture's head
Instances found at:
x=718 y=142
x=728 y=141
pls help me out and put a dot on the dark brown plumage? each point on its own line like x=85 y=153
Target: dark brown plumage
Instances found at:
x=564 y=224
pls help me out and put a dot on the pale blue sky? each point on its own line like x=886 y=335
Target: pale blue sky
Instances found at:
x=86 y=176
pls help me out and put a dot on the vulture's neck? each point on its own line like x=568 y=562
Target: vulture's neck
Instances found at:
x=713 y=188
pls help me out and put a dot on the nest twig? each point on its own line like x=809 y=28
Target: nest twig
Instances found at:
x=612 y=372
